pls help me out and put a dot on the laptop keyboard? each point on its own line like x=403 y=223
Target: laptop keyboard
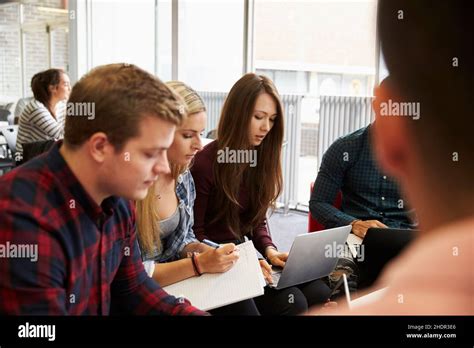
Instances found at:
x=276 y=278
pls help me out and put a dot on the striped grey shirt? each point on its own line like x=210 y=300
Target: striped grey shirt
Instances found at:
x=36 y=124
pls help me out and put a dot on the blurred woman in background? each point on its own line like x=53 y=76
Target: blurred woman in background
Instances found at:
x=43 y=118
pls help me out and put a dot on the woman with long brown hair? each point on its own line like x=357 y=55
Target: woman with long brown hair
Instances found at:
x=238 y=178
x=170 y=250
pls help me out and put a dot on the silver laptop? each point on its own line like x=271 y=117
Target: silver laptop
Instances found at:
x=312 y=256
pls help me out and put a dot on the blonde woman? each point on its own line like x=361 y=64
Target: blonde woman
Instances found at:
x=165 y=217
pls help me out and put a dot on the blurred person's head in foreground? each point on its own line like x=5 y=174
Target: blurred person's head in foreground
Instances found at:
x=423 y=134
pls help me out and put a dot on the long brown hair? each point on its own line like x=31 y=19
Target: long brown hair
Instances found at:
x=148 y=219
x=264 y=181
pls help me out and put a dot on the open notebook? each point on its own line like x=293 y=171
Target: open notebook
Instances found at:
x=209 y=291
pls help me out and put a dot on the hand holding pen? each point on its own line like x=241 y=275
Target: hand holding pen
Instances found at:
x=219 y=259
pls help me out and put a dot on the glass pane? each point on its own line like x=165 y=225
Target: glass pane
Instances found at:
x=211 y=43
x=36 y=56
x=318 y=36
x=164 y=40
x=60 y=48
x=315 y=48
x=123 y=31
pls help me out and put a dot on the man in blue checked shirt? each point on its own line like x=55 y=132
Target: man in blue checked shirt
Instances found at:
x=370 y=198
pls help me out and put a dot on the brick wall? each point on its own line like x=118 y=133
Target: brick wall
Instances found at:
x=61 y=49
x=36 y=56
x=45 y=3
x=10 y=74
x=9 y=14
x=10 y=68
x=35 y=43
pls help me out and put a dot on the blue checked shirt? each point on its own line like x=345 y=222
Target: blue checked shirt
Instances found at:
x=367 y=193
x=175 y=242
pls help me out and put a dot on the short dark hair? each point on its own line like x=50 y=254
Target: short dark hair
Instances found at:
x=428 y=50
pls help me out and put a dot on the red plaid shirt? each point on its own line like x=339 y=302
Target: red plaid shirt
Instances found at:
x=87 y=256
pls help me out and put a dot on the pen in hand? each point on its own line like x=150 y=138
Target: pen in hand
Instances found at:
x=215 y=245
x=211 y=243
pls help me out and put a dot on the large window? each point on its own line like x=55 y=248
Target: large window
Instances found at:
x=164 y=57
x=314 y=48
x=123 y=31
x=309 y=48
x=210 y=43
x=206 y=48
x=288 y=81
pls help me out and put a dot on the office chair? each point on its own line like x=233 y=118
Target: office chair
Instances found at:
x=10 y=133
x=313 y=224
x=8 y=162
x=5 y=115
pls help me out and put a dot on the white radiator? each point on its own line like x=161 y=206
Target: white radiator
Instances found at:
x=341 y=115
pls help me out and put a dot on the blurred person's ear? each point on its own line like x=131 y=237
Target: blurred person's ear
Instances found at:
x=391 y=135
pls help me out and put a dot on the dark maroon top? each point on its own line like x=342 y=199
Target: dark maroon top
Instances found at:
x=205 y=211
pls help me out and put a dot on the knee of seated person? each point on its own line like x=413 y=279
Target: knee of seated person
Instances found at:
x=316 y=292
x=293 y=301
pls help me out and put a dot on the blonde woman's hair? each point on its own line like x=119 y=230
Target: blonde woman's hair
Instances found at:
x=193 y=101
x=148 y=219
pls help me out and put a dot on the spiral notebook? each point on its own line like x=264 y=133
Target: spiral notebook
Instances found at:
x=243 y=281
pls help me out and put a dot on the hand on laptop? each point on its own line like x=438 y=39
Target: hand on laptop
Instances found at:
x=360 y=227
x=267 y=271
x=275 y=257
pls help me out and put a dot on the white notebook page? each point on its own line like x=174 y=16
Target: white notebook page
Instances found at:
x=209 y=291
